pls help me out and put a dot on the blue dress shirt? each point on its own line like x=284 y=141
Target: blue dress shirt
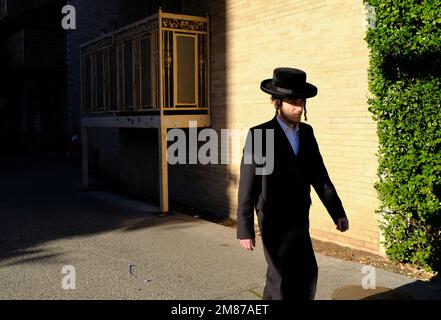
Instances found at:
x=291 y=133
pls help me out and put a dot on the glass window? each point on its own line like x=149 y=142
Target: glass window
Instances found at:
x=113 y=80
x=87 y=85
x=128 y=74
x=146 y=73
x=99 y=81
x=186 y=62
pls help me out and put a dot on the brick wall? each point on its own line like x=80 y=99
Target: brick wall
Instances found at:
x=324 y=38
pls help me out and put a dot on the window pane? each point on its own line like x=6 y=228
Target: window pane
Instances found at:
x=128 y=75
x=99 y=81
x=113 y=80
x=185 y=71
x=87 y=85
x=146 y=72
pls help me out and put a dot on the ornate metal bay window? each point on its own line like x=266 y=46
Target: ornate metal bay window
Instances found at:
x=158 y=64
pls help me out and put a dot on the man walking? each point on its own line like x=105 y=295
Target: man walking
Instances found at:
x=282 y=197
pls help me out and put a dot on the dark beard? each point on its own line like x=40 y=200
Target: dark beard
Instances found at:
x=293 y=123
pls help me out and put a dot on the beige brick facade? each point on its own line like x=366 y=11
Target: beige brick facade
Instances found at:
x=326 y=39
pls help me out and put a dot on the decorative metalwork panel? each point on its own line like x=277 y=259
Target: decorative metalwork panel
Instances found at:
x=182 y=24
x=137 y=31
x=167 y=45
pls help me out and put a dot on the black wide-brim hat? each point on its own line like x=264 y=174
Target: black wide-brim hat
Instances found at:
x=289 y=83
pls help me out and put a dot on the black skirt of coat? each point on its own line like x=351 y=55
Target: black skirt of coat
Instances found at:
x=292 y=268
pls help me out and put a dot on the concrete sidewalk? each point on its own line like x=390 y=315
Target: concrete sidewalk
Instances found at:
x=121 y=250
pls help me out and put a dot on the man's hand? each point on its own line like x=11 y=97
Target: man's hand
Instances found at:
x=342 y=224
x=248 y=244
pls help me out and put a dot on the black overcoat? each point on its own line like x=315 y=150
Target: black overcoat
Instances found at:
x=282 y=200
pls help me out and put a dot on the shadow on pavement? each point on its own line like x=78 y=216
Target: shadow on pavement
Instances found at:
x=41 y=201
x=416 y=290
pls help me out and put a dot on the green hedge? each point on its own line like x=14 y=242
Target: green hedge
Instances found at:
x=404 y=80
